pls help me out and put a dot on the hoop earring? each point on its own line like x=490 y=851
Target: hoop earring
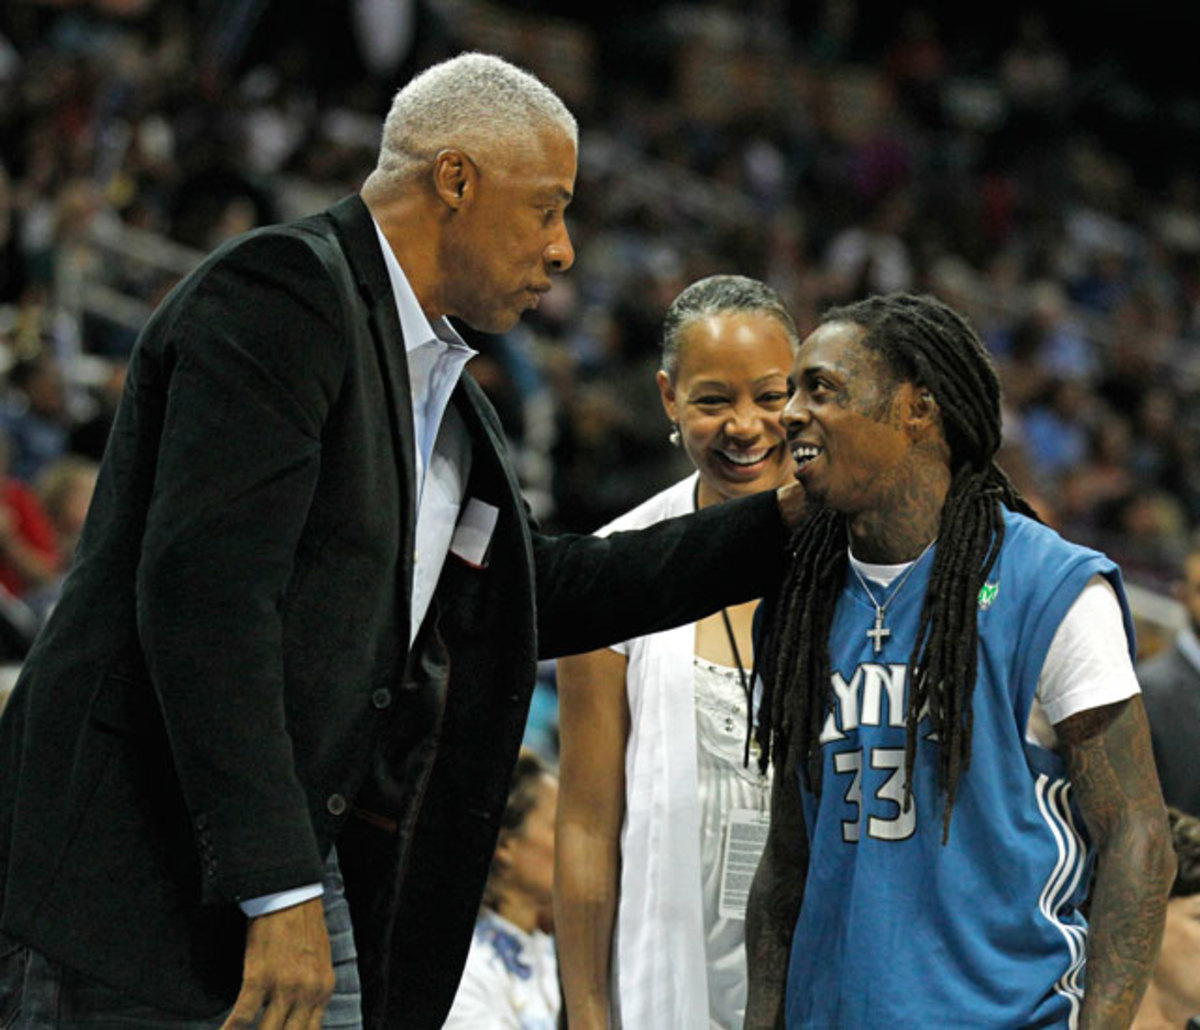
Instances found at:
x=673 y=437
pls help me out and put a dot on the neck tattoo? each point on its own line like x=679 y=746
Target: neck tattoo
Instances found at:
x=878 y=633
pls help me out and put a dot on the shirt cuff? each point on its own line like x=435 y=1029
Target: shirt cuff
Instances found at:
x=260 y=906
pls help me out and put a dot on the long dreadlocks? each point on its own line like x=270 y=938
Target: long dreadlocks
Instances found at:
x=929 y=344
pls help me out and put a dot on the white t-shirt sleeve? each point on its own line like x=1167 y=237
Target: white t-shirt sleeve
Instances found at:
x=1087 y=665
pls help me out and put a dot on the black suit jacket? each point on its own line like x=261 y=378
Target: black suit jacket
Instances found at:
x=1171 y=689
x=225 y=688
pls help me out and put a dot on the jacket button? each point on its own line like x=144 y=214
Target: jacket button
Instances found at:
x=336 y=804
x=381 y=698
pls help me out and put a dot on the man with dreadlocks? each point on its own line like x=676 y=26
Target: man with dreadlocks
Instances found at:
x=951 y=705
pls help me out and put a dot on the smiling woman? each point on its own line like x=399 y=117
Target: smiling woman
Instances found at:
x=725 y=396
x=655 y=782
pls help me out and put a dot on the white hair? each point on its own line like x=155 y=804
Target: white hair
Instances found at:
x=472 y=101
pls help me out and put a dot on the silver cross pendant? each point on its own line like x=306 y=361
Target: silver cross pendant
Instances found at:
x=879 y=633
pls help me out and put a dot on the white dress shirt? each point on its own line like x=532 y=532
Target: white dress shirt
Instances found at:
x=436 y=355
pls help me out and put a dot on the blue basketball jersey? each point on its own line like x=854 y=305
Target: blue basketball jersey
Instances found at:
x=897 y=930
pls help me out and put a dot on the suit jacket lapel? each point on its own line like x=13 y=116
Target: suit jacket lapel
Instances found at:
x=360 y=242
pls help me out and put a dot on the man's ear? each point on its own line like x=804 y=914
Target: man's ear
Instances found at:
x=924 y=411
x=454 y=177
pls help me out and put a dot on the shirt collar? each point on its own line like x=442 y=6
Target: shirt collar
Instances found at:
x=885 y=575
x=416 y=328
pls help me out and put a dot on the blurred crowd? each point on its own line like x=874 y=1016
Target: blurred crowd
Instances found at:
x=821 y=150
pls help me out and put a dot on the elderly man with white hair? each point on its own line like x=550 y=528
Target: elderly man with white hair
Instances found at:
x=273 y=716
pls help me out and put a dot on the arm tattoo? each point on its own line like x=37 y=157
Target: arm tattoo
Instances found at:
x=1113 y=776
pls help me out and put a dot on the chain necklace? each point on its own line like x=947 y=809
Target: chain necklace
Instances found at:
x=743 y=679
x=879 y=633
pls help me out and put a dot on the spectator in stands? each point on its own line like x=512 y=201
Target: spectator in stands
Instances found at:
x=1055 y=427
x=29 y=554
x=1172 y=1001
x=1170 y=682
x=89 y=436
x=510 y=981
x=36 y=418
x=873 y=257
x=65 y=490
